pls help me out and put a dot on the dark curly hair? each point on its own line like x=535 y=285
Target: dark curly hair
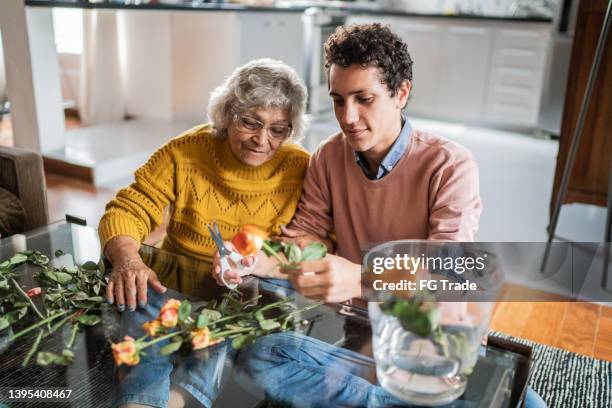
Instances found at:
x=370 y=45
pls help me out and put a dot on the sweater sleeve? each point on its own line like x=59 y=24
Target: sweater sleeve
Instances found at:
x=455 y=202
x=313 y=214
x=138 y=209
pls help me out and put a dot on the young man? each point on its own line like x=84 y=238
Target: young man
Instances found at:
x=378 y=179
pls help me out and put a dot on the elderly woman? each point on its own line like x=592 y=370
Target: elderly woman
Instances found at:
x=240 y=168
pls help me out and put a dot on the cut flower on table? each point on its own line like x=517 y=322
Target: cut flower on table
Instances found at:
x=126 y=352
x=67 y=294
x=229 y=319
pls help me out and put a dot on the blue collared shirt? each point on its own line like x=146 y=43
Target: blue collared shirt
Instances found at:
x=400 y=146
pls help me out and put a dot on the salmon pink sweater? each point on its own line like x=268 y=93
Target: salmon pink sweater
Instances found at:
x=432 y=193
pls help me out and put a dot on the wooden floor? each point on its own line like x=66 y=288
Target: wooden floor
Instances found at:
x=583 y=328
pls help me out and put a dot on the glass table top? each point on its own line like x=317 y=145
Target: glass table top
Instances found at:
x=498 y=379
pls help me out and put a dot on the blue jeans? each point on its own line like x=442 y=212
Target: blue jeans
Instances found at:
x=300 y=371
x=148 y=383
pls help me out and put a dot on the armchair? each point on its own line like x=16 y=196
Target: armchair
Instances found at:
x=22 y=174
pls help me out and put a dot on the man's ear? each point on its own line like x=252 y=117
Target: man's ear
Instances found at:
x=403 y=93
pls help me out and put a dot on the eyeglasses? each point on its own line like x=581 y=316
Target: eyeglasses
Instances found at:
x=249 y=125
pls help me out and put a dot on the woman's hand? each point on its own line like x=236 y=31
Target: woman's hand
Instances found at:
x=130 y=275
x=234 y=275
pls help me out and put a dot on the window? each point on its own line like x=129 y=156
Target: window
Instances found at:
x=68 y=28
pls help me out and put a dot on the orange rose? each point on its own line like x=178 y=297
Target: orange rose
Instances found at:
x=249 y=240
x=168 y=315
x=171 y=304
x=200 y=338
x=126 y=352
x=169 y=318
x=152 y=328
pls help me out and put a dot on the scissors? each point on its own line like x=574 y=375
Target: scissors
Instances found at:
x=224 y=254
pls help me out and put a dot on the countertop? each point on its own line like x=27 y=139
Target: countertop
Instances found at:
x=352 y=9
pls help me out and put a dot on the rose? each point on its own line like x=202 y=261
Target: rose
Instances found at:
x=200 y=338
x=152 y=328
x=126 y=352
x=171 y=304
x=249 y=240
x=169 y=318
x=33 y=292
x=168 y=315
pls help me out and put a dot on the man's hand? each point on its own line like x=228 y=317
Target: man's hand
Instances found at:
x=331 y=279
x=302 y=238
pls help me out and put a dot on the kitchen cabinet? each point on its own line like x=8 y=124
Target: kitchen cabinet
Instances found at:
x=464 y=71
x=516 y=75
x=272 y=35
x=424 y=39
x=175 y=59
x=475 y=71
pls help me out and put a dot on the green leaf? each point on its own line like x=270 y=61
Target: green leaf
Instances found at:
x=184 y=310
x=102 y=267
x=4 y=284
x=90 y=266
x=89 y=320
x=96 y=288
x=293 y=253
x=5 y=264
x=413 y=316
x=80 y=296
x=96 y=299
x=202 y=321
x=18 y=259
x=70 y=269
x=313 y=251
x=243 y=341
x=59 y=253
x=83 y=304
x=211 y=314
x=259 y=316
x=52 y=297
x=40 y=259
x=4 y=323
x=171 y=348
x=60 y=277
x=45 y=358
x=16 y=315
x=269 y=324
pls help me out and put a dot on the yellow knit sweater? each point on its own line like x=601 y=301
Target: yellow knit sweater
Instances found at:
x=201 y=180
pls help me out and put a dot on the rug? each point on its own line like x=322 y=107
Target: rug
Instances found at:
x=566 y=379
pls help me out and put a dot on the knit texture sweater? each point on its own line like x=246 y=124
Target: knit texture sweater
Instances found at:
x=199 y=178
x=432 y=193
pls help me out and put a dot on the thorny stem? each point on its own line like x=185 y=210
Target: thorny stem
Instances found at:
x=26 y=360
x=274 y=254
x=73 y=333
x=34 y=326
x=162 y=338
x=231 y=331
